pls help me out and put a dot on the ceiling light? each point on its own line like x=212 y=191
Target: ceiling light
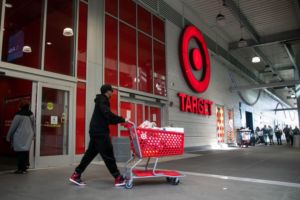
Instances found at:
x=242 y=43
x=8 y=5
x=49 y=43
x=68 y=32
x=221 y=20
x=255 y=59
x=27 y=49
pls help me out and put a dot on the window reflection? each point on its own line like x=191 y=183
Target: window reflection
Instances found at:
x=60 y=37
x=23 y=32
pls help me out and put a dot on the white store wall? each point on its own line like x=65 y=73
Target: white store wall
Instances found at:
x=202 y=130
x=199 y=130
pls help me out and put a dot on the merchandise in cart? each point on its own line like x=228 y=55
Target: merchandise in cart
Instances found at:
x=147 y=143
x=244 y=137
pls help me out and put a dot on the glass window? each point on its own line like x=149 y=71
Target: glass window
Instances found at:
x=23 y=33
x=155 y=115
x=114 y=108
x=158 y=29
x=60 y=36
x=80 y=118
x=144 y=20
x=139 y=114
x=82 y=41
x=111 y=6
x=146 y=114
x=127 y=57
x=145 y=63
x=111 y=51
x=128 y=11
x=159 y=69
x=55 y=122
x=127 y=111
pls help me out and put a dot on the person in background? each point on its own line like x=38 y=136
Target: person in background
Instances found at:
x=296 y=131
x=21 y=134
x=291 y=136
x=270 y=134
x=260 y=135
x=286 y=132
x=100 y=142
x=278 y=133
x=265 y=133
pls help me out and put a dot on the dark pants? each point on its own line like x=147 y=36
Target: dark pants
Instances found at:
x=278 y=137
x=99 y=145
x=287 y=137
x=23 y=160
x=292 y=140
x=265 y=139
x=271 y=139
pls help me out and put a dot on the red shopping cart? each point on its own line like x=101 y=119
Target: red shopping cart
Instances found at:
x=152 y=143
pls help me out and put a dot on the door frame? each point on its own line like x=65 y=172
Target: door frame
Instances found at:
x=57 y=160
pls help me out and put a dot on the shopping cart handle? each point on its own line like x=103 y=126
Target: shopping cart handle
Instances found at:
x=128 y=124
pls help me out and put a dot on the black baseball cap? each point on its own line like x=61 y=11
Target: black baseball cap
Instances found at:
x=105 y=88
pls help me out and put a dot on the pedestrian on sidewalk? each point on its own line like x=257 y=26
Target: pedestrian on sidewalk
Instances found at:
x=21 y=134
x=278 y=133
x=100 y=142
x=265 y=134
x=286 y=132
x=259 y=133
x=270 y=134
x=291 y=136
x=295 y=131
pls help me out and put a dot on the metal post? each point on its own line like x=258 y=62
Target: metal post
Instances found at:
x=297 y=87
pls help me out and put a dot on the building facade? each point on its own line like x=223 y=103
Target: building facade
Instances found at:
x=57 y=54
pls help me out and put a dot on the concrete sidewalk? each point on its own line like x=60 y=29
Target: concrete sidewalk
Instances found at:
x=48 y=184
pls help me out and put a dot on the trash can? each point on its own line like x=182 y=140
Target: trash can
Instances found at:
x=297 y=141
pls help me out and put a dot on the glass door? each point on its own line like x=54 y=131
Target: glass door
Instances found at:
x=54 y=125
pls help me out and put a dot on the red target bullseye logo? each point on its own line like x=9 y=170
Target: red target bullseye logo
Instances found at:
x=196 y=59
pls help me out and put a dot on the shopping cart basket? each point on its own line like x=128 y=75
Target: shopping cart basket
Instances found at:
x=152 y=143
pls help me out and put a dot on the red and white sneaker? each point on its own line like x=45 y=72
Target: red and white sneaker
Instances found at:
x=119 y=181
x=76 y=178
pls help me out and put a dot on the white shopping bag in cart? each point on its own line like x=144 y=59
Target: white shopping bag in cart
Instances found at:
x=148 y=124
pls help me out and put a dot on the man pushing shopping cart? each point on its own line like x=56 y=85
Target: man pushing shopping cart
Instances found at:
x=149 y=142
x=100 y=142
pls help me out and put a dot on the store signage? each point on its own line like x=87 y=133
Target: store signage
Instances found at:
x=195 y=105
x=194 y=60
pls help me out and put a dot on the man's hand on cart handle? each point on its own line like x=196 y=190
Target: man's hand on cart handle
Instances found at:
x=127 y=119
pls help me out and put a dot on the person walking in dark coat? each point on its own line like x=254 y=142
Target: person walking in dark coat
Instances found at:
x=265 y=133
x=286 y=132
x=295 y=131
x=278 y=133
x=21 y=134
x=100 y=142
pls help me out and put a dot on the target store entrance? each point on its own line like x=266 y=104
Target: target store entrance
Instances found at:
x=139 y=111
x=50 y=105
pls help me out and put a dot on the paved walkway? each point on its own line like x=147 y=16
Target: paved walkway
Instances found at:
x=211 y=175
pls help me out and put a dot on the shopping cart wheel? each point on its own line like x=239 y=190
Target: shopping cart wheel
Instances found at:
x=129 y=185
x=175 y=181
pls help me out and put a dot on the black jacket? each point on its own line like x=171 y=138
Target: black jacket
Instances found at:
x=102 y=117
